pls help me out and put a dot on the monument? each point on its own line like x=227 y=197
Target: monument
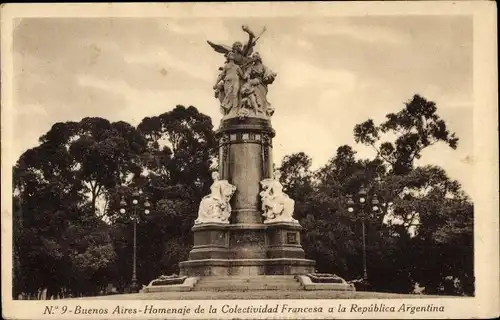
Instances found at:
x=245 y=226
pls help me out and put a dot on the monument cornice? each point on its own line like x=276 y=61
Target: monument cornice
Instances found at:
x=245 y=125
x=245 y=226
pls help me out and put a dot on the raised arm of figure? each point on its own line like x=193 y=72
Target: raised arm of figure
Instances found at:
x=252 y=40
x=220 y=77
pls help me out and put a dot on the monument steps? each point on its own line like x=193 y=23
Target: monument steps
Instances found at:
x=247 y=283
x=242 y=277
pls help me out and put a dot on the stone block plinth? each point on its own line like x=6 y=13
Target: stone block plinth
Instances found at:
x=246 y=249
x=284 y=240
x=246 y=267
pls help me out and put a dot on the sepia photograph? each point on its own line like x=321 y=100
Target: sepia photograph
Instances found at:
x=247 y=161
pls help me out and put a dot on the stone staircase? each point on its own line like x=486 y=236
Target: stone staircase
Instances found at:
x=248 y=283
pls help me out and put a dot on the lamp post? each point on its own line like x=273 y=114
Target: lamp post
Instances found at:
x=360 y=204
x=135 y=220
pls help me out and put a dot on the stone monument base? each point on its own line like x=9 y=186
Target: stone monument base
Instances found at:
x=246 y=249
x=248 y=267
x=259 y=283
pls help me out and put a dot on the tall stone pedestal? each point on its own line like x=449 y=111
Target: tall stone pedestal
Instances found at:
x=246 y=246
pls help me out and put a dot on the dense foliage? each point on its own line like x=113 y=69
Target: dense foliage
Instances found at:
x=70 y=237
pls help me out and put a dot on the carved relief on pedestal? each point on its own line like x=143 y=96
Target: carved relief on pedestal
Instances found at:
x=267 y=144
x=277 y=206
x=223 y=145
x=215 y=207
x=223 y=154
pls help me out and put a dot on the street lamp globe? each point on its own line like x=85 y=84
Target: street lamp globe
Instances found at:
x=122 y=210
x=134 y=201
x=146 y=211
x=375 y=208
x=362 y=200
x=350 y=209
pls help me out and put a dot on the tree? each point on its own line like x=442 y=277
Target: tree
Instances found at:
x=181 y=148
x=182 y=145
x=413 y=129
x=425 y=222
x=46 y=193
x=297 y=178
x=91 y=253
x=332 y=237
x=53 y=182
x=106 y=154
x=69 y=232
x=416 y=127
x=416 y=201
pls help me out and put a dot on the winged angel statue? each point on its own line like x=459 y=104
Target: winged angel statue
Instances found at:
x=241 y=85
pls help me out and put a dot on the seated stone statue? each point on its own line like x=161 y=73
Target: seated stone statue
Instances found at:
x=277 y=206
x=215 y=207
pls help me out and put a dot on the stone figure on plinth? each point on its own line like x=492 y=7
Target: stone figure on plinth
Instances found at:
x=254 y=91
x=277 y=205
x=241 y=87
x=227 y=85
x=215 y=207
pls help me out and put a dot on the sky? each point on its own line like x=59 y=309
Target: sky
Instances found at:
x=333 y=73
